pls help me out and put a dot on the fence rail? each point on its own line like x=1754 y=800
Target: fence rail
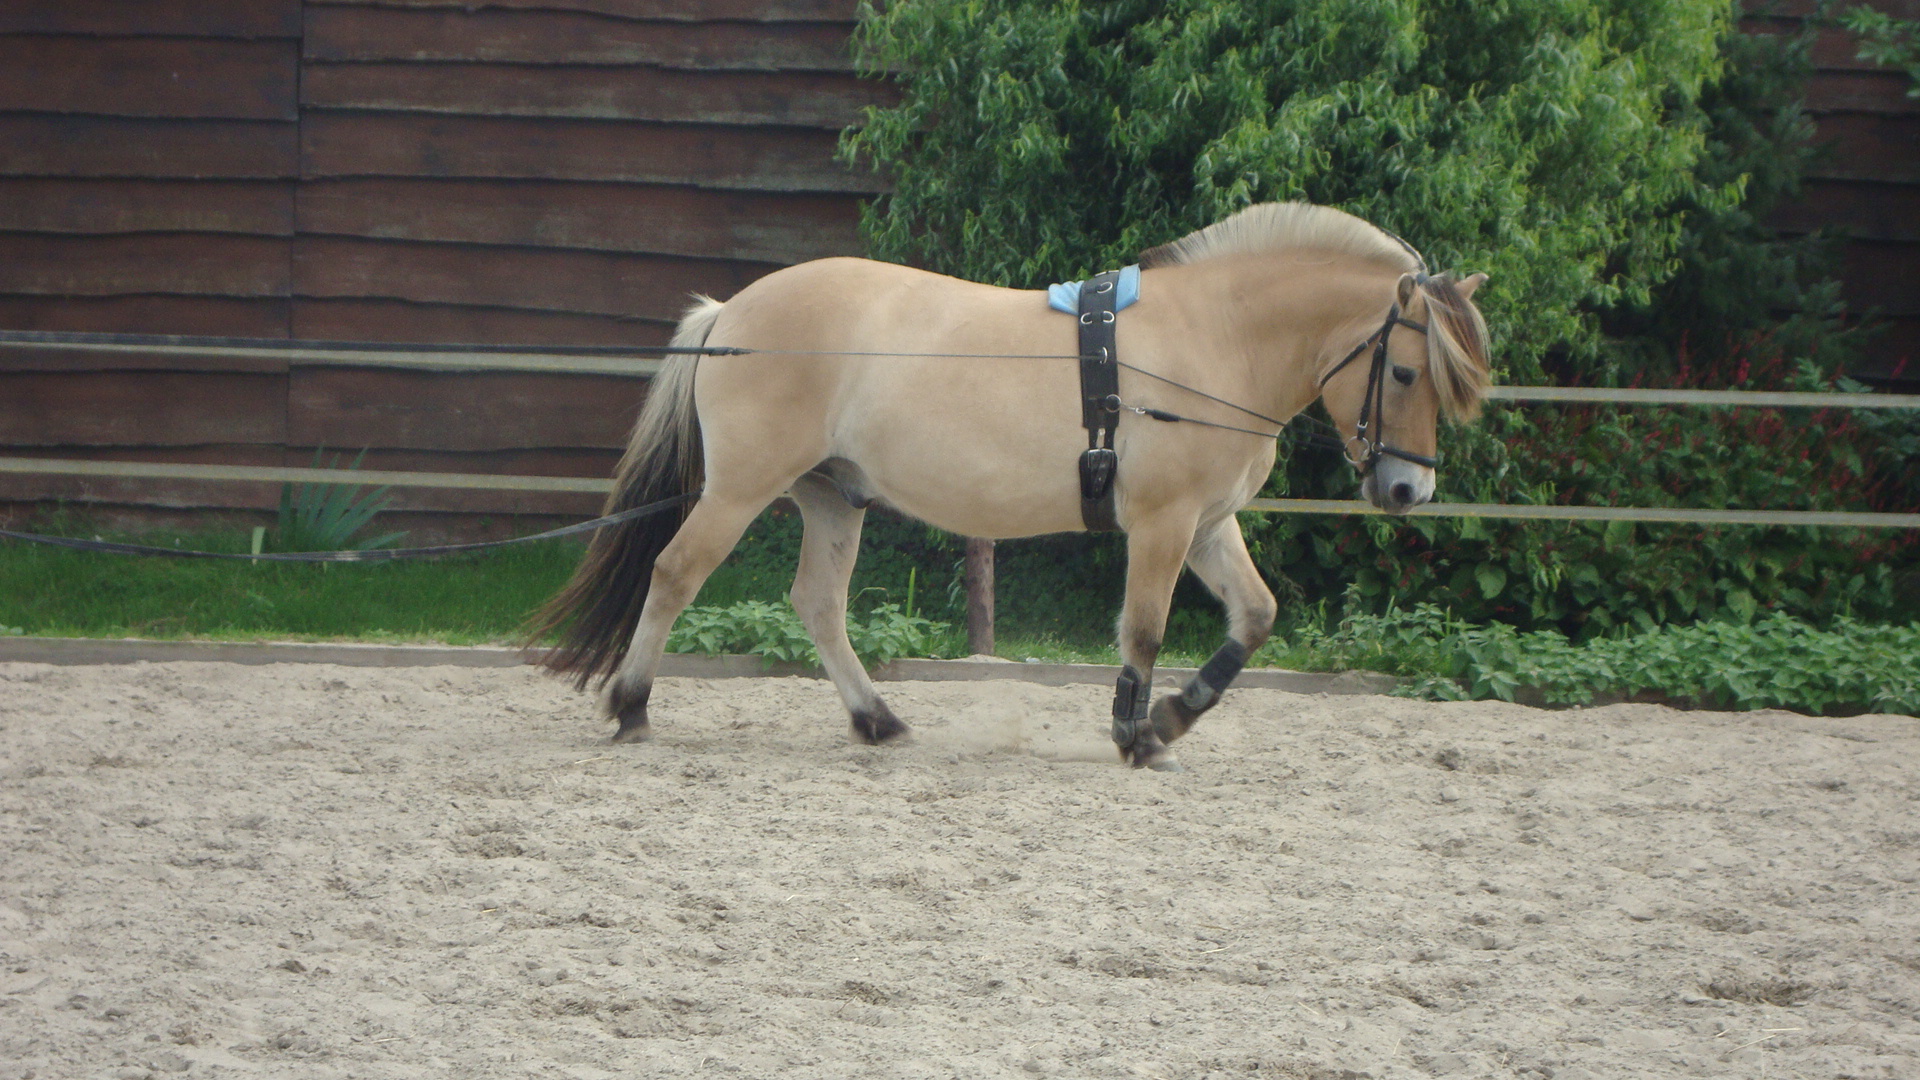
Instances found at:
x=269 y=474
x=1750 y=398
x=1671 y=515
x=584 y=485
x=614 y=360
x=608 y=360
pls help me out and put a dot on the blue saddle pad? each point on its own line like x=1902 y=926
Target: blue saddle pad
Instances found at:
x=1066 y=295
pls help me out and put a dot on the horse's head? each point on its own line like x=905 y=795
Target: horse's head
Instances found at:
x=1426 y=356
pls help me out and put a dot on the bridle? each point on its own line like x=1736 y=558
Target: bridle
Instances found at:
x=1372 y=420
x=1370 y=429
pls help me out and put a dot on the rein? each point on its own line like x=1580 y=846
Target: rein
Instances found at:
x=1108 y=402
x=1372 y=405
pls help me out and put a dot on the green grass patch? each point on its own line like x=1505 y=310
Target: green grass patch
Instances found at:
x=460 y=600
x=906 y=595
x=907 y=603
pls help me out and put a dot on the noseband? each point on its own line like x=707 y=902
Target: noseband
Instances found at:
x=1373 y=418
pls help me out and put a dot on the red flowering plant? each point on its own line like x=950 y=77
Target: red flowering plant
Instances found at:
x=1587 y=578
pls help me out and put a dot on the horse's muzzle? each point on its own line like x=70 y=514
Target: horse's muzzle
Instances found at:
x=1396 y=486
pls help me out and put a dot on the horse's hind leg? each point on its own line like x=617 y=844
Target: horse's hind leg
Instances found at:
x=1219 y=556
x=711 y=530
x=829 y=545
x=1154 y=552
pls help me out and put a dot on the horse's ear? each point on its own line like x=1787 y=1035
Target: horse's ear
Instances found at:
x=1408 y=283
x=1468 y=284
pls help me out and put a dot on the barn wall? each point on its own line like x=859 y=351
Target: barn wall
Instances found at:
x=519 y=171
x=1866 y=188
x=560 y=172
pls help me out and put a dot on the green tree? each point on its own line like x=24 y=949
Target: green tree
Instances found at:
x=1886 y=40
x=1607 y=162
x=1544 y=143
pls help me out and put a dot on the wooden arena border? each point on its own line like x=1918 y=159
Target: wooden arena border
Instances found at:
x=533 y=359
x=292 y=475
x=78 y=651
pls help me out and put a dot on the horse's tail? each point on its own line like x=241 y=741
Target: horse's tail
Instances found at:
x=596 y=613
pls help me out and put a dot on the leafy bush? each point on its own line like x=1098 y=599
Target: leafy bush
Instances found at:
x=1610 y=162
x=773 y=632
x=1775 y=662
x=889 y=633
x=751 y=627
x=1543 y=142
x=1887 y=41
x=1585 y=579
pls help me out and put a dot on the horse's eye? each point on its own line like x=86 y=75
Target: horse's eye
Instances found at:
x=1404 y=375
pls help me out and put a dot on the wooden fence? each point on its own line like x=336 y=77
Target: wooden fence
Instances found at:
x=422 y=170
x=1866 y=188
x=514 y=171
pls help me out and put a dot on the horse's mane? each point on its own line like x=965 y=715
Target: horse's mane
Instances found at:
x=1266 y=228
x=1457 y=346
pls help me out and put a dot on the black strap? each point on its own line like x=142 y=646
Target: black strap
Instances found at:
x=1099 y=401
x=1369 y=429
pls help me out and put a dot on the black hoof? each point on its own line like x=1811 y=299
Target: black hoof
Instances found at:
x=1148 y=752
x=1172 y=718
x=1152 y=754
x=631 y=710
x=878 y=725
x=634 y=727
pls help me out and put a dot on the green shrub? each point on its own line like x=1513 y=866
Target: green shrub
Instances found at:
x=1585 y=579
x=1774 y=662
x=1546 y=143
x=1887 y=41
x=772 y=631
x=1609 y=162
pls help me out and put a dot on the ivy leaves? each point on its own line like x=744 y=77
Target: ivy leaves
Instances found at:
x=773 y=632
x=1775 y=662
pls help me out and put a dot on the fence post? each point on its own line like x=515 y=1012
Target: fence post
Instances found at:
x=979 y=577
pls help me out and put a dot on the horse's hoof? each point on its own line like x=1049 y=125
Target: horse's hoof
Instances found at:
x=1150 y=754
x=878 y=725
x=1171 y=718
x=632 y=714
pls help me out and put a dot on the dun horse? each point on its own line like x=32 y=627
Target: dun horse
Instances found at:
x=960 y=404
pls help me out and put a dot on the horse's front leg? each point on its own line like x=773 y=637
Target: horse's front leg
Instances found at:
x=1220 y=558
x=1155 y=549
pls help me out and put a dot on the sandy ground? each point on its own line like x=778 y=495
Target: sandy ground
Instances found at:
x=217 y=870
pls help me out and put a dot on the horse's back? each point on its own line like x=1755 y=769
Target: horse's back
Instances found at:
x=932 y=385
x=840 y=303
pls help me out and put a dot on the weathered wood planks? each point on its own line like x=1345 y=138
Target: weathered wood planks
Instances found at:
x=509 y=171
x=711 y=155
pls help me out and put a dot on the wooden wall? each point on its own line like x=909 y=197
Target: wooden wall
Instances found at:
x=550 y=172
x=1867 y=187
x=531 y=171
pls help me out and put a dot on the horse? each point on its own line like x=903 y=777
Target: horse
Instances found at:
x=844 y=382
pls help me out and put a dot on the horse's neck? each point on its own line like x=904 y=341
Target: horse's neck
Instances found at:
x=1272 y=321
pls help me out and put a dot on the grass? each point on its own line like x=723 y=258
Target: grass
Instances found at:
x=483 y=598
x=1773 y=661
x=463 y=600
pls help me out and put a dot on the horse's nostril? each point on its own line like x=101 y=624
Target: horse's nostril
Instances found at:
x=1401 y=492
